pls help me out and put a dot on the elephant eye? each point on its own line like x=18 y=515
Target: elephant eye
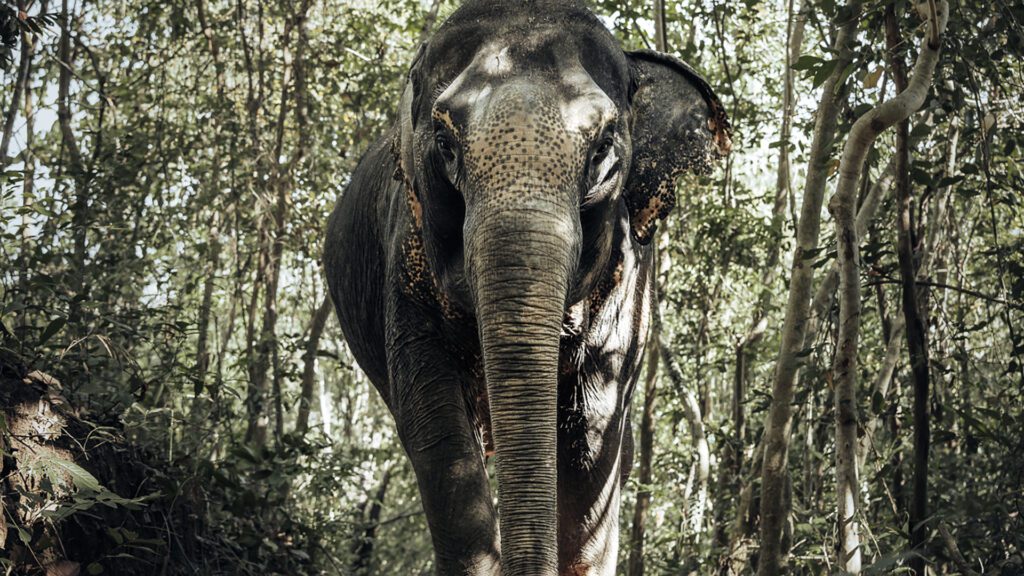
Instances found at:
x=602 y=151
x=445 y=147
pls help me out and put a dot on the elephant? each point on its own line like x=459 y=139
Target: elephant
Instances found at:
x=492 y=270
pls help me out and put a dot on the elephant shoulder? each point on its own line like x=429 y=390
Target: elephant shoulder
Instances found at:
x=355 y=256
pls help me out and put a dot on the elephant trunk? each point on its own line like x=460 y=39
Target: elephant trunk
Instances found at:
x=522 y=256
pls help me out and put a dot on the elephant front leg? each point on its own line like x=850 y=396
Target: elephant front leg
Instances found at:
x=590 y=478
x=588 y=523
x=456 y=498
x=442 y=444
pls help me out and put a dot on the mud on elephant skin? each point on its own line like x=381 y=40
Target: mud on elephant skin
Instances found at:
x=491 y=270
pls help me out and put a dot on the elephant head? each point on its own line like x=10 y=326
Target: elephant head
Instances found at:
x=526 y=136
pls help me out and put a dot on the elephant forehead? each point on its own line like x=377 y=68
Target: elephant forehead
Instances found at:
x=585 y=107
x=498 y=70
x=492 y=61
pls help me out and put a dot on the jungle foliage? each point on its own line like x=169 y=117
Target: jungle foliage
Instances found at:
x=177 y=398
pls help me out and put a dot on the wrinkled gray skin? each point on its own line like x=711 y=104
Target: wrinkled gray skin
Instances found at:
x=490 y=268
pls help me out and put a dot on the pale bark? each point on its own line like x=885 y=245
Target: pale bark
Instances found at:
x=774 y=470
x=842 y=206
x=698 y=437
x=844 y=368
x=826 y=292
x=660 y=38
x=882 y=381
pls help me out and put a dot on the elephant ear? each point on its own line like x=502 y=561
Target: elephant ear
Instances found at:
x=679 y=125
x=404 y=146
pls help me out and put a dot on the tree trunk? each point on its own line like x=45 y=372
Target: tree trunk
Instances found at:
x=272 y=249
x=362 y=549
x=660 y=37
x=213 y=245
x=210 y=271
x=80 y=204
x=647 y=429
x=692 y=413
x=882 y=382
x=283 y=181
x=917 y=343
x=740 y=541
x=732 y=460
x=844 y=367
x=21 y=80
x=861 y=138
x=894 y=334
x=28 y=154
x=430 y=20
x=774 y=470
x=316 y=330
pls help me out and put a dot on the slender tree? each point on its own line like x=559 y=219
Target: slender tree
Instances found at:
x=309 y=359
x=774 y=470
x=21 y=83
x=283 y=180
x=644 y=470
x=842 y=206
x=915 y=322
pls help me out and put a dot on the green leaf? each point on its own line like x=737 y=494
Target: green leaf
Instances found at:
x=51 y=329
x=920 y=130
x=824 y=72
x=807 y=62
x=81 y=477
x=950 y=180
x=94 y=568
x=877 y=402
